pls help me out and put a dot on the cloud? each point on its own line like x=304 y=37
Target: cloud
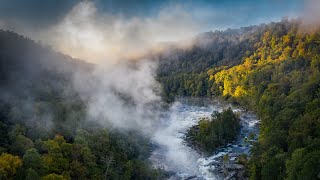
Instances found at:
x=311 y=15
x=35 y=13
x=91 y=35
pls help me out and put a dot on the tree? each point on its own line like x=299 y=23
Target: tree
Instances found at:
x=9 y=165
x=32 y=160
x=53 y=176
x=32 y=175
x=107 y=161
x=304 y=163
x=209 y=134
x=129 y=169
x=19 y=142
x=57 y=159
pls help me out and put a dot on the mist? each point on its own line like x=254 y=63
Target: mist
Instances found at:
x=122 y=95
x=97 y=37
x=311 y=15
x=118 y=92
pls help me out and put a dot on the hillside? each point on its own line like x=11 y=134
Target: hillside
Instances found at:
x=273 y=69
x=43 y=129
x=184 y=71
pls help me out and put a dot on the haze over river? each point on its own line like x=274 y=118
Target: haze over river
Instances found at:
x=174 y=155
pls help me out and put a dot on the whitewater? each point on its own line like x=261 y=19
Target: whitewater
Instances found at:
x=173 y=154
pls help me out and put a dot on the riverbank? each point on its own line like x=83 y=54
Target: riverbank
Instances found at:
x=229 y=162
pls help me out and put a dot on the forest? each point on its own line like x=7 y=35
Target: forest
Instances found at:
x=43 y=132
x=277 y=76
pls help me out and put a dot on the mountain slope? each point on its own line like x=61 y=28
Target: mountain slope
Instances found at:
x=44 y=133
x=278 y=78
x=280 y=81
x=184 y=71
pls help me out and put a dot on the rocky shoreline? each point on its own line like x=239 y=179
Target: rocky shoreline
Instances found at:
x=228 y=162
x=225 y=168
x=183 y=161
x=230 y=169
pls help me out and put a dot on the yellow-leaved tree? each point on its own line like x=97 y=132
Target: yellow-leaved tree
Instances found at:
x=9 y=165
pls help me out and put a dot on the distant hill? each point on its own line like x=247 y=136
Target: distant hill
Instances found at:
x=210 y=49
x=30 y=75
x=24 y=63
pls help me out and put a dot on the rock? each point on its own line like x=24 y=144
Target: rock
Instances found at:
x=240 y=174
x=231 y=175
x=234 y=166
x=191 y=177
x=216 y=164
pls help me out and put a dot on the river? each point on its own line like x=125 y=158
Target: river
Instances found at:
x=174 y=155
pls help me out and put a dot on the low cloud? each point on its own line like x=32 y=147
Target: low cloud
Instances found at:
x=94 y=36
x=120 y=93
x=311 y=15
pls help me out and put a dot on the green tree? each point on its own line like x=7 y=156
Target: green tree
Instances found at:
x=57 y=160
x=32 y=175
x=53 y=176
x=32 y=160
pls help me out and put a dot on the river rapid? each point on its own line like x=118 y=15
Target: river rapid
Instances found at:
x=173 y=154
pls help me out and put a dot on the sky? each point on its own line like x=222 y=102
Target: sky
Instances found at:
x=112 y=29
x=216 y=14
